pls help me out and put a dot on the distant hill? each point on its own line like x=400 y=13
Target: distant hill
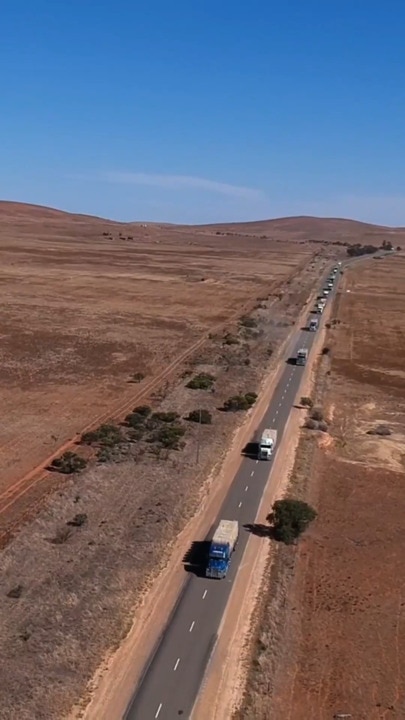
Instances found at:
x=22 y=218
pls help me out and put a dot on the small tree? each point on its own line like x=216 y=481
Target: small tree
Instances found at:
x=69 y=463
x=290 y=518
x=202 y=381
x=143 y=410
x=166 y=417
x=306 y=402
x=169 y=436
x=200 y=416
x=325 y=351
x=235 y=403
x=317 y=414
x=248 y=322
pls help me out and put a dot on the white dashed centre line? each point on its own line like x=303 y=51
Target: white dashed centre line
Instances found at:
x=158 y=710
x=252 y=473
x=205 y=592
x=191 y=626
x=246 y=488
x=176 y=665
x=257 y=462
x=240 y=504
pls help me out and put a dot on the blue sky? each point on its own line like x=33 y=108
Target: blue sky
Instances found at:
x=205 y=111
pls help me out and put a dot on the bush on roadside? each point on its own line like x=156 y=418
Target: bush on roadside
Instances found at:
x=166 y=417
x=306 y=402
x=169 y=436
x=317 y=414
x=202 y=381
x=240 y=402
x=325 y=351
x=311 y=424
x=323 y=426
x=200 y=416
x=69 y=463
x=107 y=434
x=290 y=518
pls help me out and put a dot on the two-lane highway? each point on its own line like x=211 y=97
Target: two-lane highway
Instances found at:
x=171 y=680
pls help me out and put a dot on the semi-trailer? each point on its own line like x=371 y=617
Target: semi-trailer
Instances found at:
x=222 y=546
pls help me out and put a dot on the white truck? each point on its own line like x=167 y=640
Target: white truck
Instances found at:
x=267 y=444
x=302 y=356
x=222 y=546
x=313 y=325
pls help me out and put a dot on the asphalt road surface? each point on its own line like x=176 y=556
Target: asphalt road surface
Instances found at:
x=173 y=675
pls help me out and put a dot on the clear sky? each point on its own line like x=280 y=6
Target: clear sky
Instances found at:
x=204 y=111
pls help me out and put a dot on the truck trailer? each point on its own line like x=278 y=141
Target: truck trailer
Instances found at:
x=302 y=356
x=221 y=548
x=267 y=444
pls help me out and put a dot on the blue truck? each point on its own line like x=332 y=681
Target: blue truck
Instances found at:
x=222 y=546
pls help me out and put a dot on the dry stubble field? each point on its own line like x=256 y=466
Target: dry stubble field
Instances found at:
x=83 y=312
x=332 y=627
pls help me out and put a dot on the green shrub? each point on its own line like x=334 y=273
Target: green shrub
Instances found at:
x=69 y=463
x=248 y=322
x=251 y=398
x=290 y=518
x=143 y=410
x=240 y=402
x=202 y=381
x=169 y=436
x=200 y=416
x=107 y=434
x=134 y=420
x=166 y=417
x=317 y=414
x=137 y=377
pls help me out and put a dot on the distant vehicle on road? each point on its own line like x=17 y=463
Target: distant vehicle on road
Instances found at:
x=313 y=325
x=267 y=444
x=302 y=356
x=221 y=548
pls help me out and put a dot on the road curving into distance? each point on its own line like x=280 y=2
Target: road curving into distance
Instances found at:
x=173 y=675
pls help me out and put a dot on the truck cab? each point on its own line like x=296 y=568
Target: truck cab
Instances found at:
x=313 y=324
x=302 y=356
x=221 y=548
x=266 y=444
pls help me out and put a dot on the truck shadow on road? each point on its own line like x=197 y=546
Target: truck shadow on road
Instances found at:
x=291 y=361
x=196 y=558
x=251 y=450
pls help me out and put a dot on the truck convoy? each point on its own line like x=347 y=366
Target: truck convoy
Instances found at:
x=302 y=356
x=221 y=548
x=267 y=444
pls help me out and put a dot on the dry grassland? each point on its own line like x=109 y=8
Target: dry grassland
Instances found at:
x=332 y=631
x=83 y=313
x=67 y=593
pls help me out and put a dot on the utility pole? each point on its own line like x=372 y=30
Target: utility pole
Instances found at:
x=198 y=437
